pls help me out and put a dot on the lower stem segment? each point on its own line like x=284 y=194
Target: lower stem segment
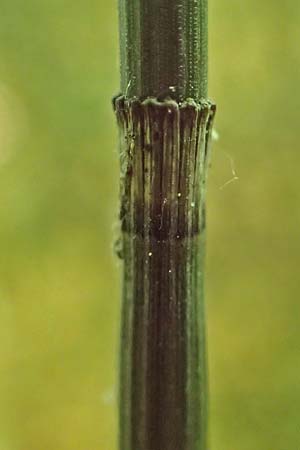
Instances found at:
x=164 y=158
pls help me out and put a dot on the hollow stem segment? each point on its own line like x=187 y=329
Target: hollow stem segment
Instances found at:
x=165 y=125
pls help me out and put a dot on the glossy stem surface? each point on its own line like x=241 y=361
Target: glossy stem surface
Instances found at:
x=165 y=125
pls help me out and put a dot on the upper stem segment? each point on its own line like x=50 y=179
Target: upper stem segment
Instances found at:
x=164 y=48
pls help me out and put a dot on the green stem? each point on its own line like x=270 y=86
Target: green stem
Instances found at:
x=165 y=125
x=164 y=48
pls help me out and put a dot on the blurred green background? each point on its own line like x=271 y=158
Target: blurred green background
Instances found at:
x=59 y=279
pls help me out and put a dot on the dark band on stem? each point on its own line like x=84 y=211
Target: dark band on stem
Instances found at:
x=164 y=163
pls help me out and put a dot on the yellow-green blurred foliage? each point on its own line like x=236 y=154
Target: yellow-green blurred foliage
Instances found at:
x=59 y=280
